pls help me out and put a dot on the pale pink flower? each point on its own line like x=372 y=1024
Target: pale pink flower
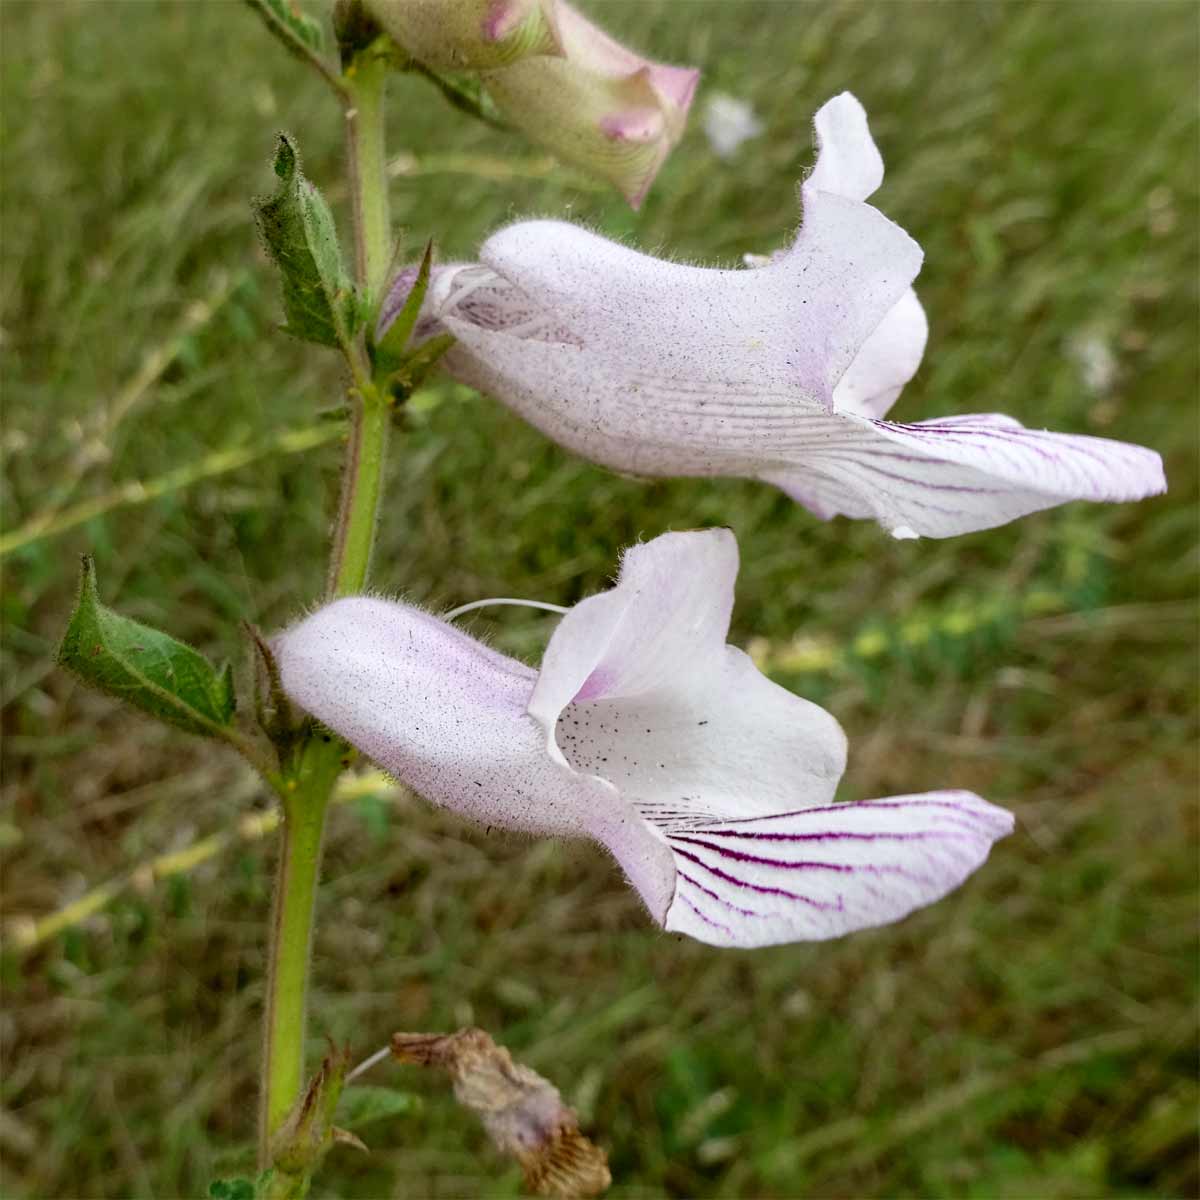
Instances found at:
x=598 y=105
x=782 y=373
x=558 y=78
x=710 y=785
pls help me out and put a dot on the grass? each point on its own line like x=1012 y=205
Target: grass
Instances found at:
x=1033 y=1036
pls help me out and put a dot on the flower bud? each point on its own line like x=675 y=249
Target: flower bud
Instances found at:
x=457 y=35
x=598 y=105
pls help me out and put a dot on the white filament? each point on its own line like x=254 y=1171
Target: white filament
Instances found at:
x=368 y=1063
x=465 y=608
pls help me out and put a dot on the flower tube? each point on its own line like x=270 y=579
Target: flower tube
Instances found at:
x=710 y=785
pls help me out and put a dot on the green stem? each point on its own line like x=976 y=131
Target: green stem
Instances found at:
x=302 y=831
x=362 y=483
x=309 y=783
x=365 y=85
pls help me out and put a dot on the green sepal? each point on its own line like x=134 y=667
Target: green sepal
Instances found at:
x=389 y=353
x=145 y=667
x=355 y=29
x=299 y=32
x=297 y=226
x=417 y=367
x=466 y=93
x=308 y=1132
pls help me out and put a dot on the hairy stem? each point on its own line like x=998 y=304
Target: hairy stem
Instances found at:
x=365 y=80
x=320 y=759
x=302 y=831
x=362 y=482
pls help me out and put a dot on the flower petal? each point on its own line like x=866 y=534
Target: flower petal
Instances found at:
x=889 y=358
x=848 y=162
x=955 y=474
x=796 y=324
x=823 y=872
x=670 y=607
x=639 y=688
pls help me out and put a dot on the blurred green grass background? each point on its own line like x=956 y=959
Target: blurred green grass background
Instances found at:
x=1032 y=1036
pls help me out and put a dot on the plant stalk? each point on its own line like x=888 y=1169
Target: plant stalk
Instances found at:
x=301 y=834
x=362 y=484
x=319 y=761
x=366 y=81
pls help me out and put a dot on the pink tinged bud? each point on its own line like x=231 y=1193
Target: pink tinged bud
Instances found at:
x=599 y=106
x=468 y=34
x=710 y=785
x=784 y=372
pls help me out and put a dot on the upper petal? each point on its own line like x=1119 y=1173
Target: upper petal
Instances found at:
x=826 y=871
x=639 y=688
x=796 y=324
x=669 y=611
x=848 y=162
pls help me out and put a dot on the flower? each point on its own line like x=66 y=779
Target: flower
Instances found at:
x=782 y=373
x=643 y=730
x=728 y=122
x=557 y=77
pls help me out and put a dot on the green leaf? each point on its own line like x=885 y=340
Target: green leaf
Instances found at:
x=389 y=353
x=145 y=667
x=241 y=1188
x=297 y=227
x=232 y=1189
x=299 y=32
x=363 y=1105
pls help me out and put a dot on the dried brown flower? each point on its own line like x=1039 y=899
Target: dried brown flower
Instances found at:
x=523 y=1113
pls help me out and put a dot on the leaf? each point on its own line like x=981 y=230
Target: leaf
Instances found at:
x=145 y=667
x=297 y=227
x=363 y=1105
x=241 y=1188
x=299 y=32
x=231 y=1189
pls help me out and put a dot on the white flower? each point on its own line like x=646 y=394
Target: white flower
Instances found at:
x=782 y=373
x=710 y=785
x=728 y=122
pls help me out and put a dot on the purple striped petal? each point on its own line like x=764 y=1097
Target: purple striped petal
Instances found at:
x=956 y=474
x=826 y=871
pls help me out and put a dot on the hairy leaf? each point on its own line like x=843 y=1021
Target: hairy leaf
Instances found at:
x=295 y=28
x=145 y=667
x=298 y=228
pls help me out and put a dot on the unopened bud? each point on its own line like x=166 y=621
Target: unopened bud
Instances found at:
x=598 y=105
x=460 y=35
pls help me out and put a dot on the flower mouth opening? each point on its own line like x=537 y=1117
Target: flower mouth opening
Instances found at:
x=485 y=299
